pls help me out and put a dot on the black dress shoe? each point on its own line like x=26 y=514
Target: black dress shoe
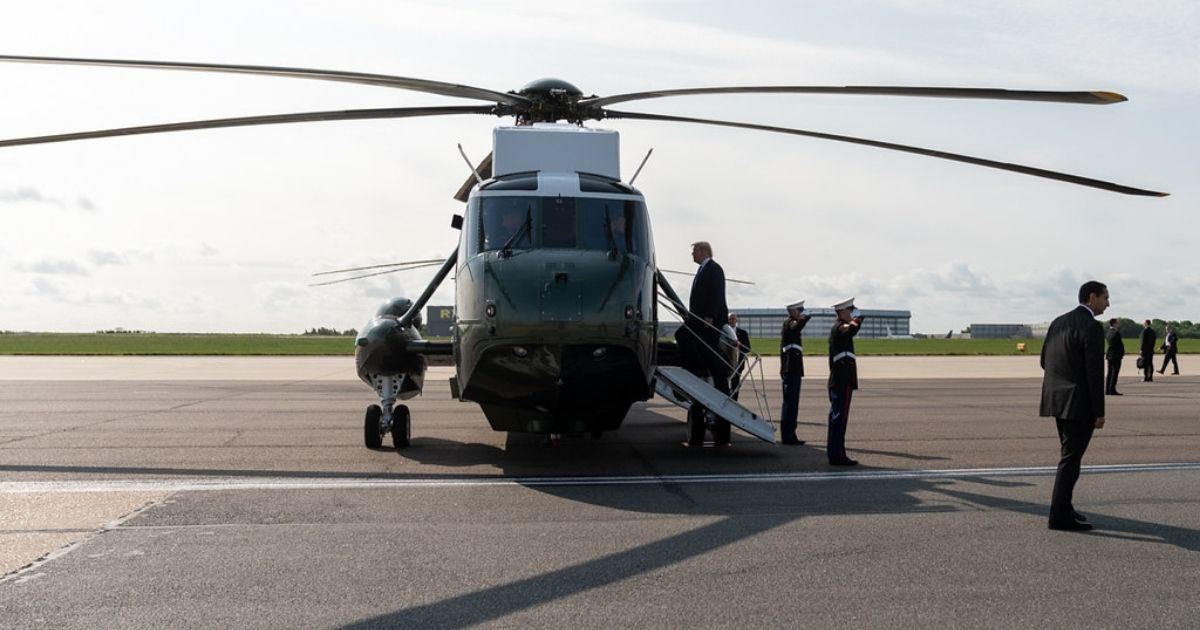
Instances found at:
x=843 y=461
x=792 y=442
x=1117 y=394
x=1079 y=518
x=1073 y=526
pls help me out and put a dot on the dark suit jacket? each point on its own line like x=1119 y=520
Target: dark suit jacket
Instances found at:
x=1073 y=360
x=1147 y=339
x=708 y=294
x=1116 y=345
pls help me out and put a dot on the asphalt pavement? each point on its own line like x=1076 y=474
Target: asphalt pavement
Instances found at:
x=252 y=503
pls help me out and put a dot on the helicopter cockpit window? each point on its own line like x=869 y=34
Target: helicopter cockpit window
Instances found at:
x=504 y=219
x=611 y=225
x=558 y=222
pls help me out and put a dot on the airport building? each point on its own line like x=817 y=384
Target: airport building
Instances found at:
x=877 y=323
x=1001 y=331
x=759 y=322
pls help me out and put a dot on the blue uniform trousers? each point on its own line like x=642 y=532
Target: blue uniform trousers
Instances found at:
x=839 y=416
x=791 y=407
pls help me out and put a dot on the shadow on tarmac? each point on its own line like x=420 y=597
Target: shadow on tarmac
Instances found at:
x=742 y=516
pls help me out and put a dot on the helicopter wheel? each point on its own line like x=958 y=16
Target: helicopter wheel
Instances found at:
x=401 y=427
x=696 y=425
x=371 y=434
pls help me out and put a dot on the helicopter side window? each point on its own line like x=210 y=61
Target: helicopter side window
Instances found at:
x=558 y=222
x=503 y=220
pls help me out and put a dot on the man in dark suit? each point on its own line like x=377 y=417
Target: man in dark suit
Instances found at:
x=1146 y=348
x=743 y=346
x=1072 y=358
x=708 y=313
x=1115 y=354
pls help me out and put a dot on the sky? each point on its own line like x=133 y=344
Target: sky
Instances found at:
x=220 y=230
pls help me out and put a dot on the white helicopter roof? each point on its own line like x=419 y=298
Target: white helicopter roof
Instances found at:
x=559 y=147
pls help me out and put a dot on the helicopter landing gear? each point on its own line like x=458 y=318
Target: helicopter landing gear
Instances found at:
x=373 y=428
x=386 y=416
x=401 y=427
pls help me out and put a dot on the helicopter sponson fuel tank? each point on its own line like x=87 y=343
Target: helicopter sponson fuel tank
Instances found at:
x=381 y=350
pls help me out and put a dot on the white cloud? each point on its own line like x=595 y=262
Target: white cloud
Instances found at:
x=235 y=220
x=53 y=267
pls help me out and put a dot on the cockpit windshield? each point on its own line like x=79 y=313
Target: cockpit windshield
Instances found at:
x=588 y=223
x=506 y=221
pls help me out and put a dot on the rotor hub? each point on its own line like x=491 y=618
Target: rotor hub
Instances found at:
x=552 y=100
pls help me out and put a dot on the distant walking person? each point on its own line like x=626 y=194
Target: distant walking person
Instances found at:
x=1170 y=345
x=1146 y=349
x=843 y=379
x=791 y=371
x=1115 y=354
x=1073 y=361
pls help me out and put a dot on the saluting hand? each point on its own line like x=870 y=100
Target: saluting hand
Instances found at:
x=1100 y=422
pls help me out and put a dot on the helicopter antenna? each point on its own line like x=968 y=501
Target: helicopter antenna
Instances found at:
x=469 y=165
x=639 y=168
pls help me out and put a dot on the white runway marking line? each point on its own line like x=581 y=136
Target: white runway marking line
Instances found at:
x=281 y=483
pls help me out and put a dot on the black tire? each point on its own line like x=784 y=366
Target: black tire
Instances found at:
x=695 y=425
x=401 y=427
x=371 y=436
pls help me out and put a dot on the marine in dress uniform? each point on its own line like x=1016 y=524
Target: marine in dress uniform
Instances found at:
x=843 y=379
x=791 y=371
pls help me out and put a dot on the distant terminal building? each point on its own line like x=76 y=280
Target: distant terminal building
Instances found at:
x=759 y=322
x=1001 y=331
x=766 y=322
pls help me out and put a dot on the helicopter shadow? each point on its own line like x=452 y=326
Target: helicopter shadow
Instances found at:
x=742 y=516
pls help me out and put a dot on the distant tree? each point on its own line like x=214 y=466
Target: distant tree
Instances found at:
x=330 y=332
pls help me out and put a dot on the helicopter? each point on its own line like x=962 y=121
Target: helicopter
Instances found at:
x=557 y=287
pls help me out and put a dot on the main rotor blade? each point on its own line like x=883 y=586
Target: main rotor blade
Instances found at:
x=407 y=263
x=1087 y=97
x=373 y=274
x=385 y=80
x=246 y=121
x=1004 y=166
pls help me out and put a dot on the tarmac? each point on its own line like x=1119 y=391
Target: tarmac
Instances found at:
x=92 y=368
x=201 y=492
